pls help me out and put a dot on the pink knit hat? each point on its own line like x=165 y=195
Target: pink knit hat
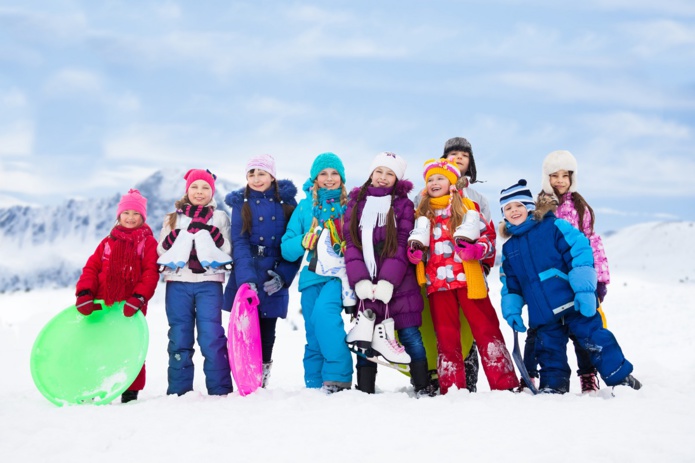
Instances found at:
x=199 y=174
x=264 y=162
x=133 y=201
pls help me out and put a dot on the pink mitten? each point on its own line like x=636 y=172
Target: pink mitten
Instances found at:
x=414 y=256
x=470 y=251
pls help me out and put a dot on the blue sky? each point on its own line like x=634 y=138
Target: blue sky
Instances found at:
x=95 y=96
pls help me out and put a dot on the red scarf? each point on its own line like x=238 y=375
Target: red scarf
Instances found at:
x=125 y=263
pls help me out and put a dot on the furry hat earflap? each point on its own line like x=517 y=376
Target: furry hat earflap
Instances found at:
x=545 y=202
x=555 y=161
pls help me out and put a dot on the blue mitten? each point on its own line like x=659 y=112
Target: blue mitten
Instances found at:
x=516 y=323
x=585 y=303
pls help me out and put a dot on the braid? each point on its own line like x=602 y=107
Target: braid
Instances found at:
x=391 y=243
x=354 y=225
x=246 y=219
x=171 y=217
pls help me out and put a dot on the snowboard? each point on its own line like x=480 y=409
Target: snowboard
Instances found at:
x=244 y=341
x=78 y=359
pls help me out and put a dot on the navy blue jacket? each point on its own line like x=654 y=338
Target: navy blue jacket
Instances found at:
x=257 y=252
x=543 y=265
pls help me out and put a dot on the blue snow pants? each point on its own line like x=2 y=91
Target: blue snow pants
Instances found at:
x=326 y=356
x=189 y=306
x=603 y=348
x=584 y=365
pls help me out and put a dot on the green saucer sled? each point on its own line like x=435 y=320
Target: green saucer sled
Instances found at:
x=79 y=359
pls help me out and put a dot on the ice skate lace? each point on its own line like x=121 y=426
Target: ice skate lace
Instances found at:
x=396 y=346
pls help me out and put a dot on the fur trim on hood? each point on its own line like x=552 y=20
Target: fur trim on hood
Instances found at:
x=545 y=202
x=286 y=188
x=403 y=188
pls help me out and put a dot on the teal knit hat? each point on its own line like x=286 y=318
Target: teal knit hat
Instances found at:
x=327 y=161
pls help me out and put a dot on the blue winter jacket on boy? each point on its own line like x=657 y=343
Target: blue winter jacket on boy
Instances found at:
x=548 y=265
x=258 y=251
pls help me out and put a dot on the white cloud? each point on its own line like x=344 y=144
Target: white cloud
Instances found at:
x=653 y=39
x=71 y=82
x=275 y=107
x=13 y=99
x=620 y=126
x=17 y=139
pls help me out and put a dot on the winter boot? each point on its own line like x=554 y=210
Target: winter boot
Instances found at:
x=421 y=232
x=385 y=344
x=472 y=366
x=179 y=253
x=366 y=379
x=630 y=381
x=207 y=251
x=362 y=333
x=129 y=396
x=266 y=373
x=523 y=385
x=420 y=379
x=589 y=382
x=469 y=230
x=331 y=387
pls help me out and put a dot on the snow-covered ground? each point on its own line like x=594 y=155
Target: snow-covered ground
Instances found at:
x=649 y=307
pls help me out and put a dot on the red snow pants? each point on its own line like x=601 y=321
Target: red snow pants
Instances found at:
x=485 y=327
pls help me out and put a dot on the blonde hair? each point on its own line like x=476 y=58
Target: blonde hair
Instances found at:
x=457 y=209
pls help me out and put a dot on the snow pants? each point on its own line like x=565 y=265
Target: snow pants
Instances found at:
x=584 y=365
x=485 y=327
x=326 y=356
x=551 y=350
x=191 y=306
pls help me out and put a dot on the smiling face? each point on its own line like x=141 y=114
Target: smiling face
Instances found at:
x=329 y=179
x=199 y=193
x=383 y=177
x=130 y=219
x=461 y=158
x=437 y=185
x=515 y=213
x=561 y=181
x=259 y=180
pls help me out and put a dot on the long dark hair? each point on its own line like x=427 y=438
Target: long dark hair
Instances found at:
x=391 y=242
x=580 y=205
x=246 y=219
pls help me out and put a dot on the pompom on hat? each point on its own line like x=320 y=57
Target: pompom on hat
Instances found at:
x=200 y=174
x=443 y=167
x=517 y=193
x=392 y=161
x=556 y=161
x=263 y=162
x=133 y=201
x=327 y=161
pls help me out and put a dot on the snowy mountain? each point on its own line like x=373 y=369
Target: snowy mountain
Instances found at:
x=48 y=246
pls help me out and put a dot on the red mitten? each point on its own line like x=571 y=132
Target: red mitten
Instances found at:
x=414 y=256
x=470 y=251
x=85 y=303
x=133 y=304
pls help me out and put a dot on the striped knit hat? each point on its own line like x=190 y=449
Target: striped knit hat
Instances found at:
x=443 y=167
x=517 y=193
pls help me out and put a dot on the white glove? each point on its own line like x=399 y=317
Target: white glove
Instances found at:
x=383 y=290
x=364 y=289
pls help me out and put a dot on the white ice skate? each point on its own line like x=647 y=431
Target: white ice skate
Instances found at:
x=362 y=333
x=179 y=253
x=469 y=230
x=207 y=251
x=385 y=344
x=421 y=232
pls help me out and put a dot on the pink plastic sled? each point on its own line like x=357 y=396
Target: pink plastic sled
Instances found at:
x=244 y=343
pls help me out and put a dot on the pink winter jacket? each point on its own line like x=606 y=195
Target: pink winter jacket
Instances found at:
x=567 y=211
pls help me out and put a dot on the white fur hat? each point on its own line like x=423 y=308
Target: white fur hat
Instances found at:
x=555 y=161
x=391 y=160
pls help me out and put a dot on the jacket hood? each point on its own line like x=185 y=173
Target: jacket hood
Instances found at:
x=286 y=188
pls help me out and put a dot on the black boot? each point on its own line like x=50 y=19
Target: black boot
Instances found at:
x=129 y=396
x=420 y=379
x=472 y=365
x=366 y=379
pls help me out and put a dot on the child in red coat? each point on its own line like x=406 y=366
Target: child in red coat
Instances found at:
x=123 y=268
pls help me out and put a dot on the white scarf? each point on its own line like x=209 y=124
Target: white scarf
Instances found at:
x=373 y=215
